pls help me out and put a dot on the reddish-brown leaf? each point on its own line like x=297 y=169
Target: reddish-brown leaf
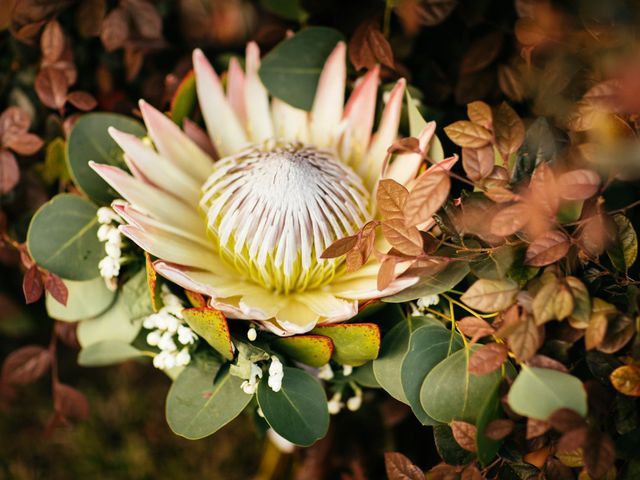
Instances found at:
x=133 y=59
x=434 y=12
x=626 y=380
x=491 y=295
x=544 y=189
x=471 y=472
x=145 y=17
x=51 y=87
x=405 y=239
x=56 y=288
x=482 y=52
x=32 y=285
x=66 y=332
x=480 y=113
x=499 y=428
x=475 y=327
x=599 y=453
x=354 y=260
x=427 y=196
x=547 y=248
x=477 y=162
x=69 y=402
x=405 y=145
x=400 y=467
x=386 y=273
x=468 y=134
x=25 y=143
x=578 y=184
x=508 y=129
x=510 y=219
x=52 y=42
x=464 y=434
x=596 y=331
x=340 y=247
x=524 y=338
x=26 y=365
x=89 y=17
x=487 y=358
x=368 y=47
x=9 y=172
x=564 y=420
x=536 y=427
x=501 y=194
x=82 y=100
x=115 y=29
x=572 y=440
x=391 y=198
x=542 y=361
x=510 y=82
x=13 y=121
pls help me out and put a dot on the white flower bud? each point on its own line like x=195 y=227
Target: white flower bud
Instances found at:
x=183 y=357
x=428 y=301
x=104 y=231
x=249 y=388
x=252 y=334
x=114 y=237
x=166 y=342
x=276 y=374
x=109 y=267
x=106 y=215
x=347 y=370
x=325 y=372
x=113 y=250
x=186 y=336
x=172 y=324
x=153 y=338
x=335 y=405
x=354 y=403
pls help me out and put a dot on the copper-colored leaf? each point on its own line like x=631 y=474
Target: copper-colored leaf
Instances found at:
x=479 y=112
x=145 y=17
x=487 y=358
x=596 y=331
x=626 y=380
x=501 y=194
x=434 y=12
x=491 y=295
x=82 y=100
x=464 y=434
x=477 y=162
x=340 y=247
x=405 y=239
x=400 y=467
x=354 y=260
x=391 y=198
x=32 y=285
x=427 y=196
x=564 y=420
x=620 y=329
x=471 y=472
x=405 y=145
x=499 y=428
x=536 y=427
x=543 y=361
x=578 y=184
x=544 y=189
x=510 y=219
x=13 y=121
x=56 y=288
x=510 y=82
x=51 y=87
x=524 y=338
x=482 y=52
x=25 y=143
x=9 y=172
x=508 y=129
x=474 y=327
x=25 y=365
x=67 y=333
x=52 y=42
x=547 y=248
x=69 y=402
x=529 y=32
x=89 y=17
x=468 y=134
x=386 y=273
x=368 y=47
x=115 y=29
x=572 y=440
x=599 y=453
x=133 y=59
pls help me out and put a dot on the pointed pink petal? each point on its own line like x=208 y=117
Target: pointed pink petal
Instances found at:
x=360 y=111
x=405 y=167
x=160 y=171
x=235 y=89
x=329 y=100
x=174 y=145
x=259 y=123
x=224 y=127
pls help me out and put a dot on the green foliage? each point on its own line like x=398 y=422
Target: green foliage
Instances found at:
x=433 y=284
x=313 y=350
x=353 y=343
x=107 y=352
x=63 y=239
x=212 y=326
x=113 y=324
x=87 y=299
x=184 y=100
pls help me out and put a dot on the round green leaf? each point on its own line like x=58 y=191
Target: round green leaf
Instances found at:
x=432 y=284
x=89 y=140
x=197 y=406
x=538 y=392
x=107 y=352
x=428 y=346
x=211 y=325
x=298 y=412
x=353 y=343
x=486 y=447
x=450 y=392
x=292 y=69
x=87 y=299
x=113 y=324
x=63 y=238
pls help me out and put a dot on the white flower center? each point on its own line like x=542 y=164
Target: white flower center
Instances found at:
x=274 y=208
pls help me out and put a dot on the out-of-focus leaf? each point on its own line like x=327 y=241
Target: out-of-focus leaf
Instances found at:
x=491 y=295
x=428 y=194
x=9 y=172
x=626 y=380
x=508 y=128
x=400 y=467
x=467 y=134
x=548 y=248
x=624 y=252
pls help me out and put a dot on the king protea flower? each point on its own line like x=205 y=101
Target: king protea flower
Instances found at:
x=248 y=230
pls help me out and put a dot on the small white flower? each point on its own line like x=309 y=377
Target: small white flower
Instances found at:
x=252 y=334
x=335 y=404
x=149 y=322
x=172 y=324
x=325 y=372
x=276 y=374
x=113 y=250
x=248 y=387
x=355 y=402
x=183 y=357
x=106 y=215
x=153 y=338
x=104 y=231
x=428 y=301
x=166 y=342
x=109 y=267
x=347 y=370
x=114 y=237
x=175 y=310
x=164 y=360
x=281 y=443
x=186 y=336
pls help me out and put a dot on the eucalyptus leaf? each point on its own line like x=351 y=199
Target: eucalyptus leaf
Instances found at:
x=89 y=140
x=448 y=448
x=490 y=410
x=136 y=295
x=292 y=69
x=62 y=238
x=433 y=284
x=107 y=352
x=87 y=299
x=364 y=376
x=298 y=412
x=353 y=343
x=114 y=324
x=197 y=406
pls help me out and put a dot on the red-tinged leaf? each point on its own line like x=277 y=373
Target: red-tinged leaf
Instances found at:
x=487 y=358
x=9 y=172
x=386 y=273
x=56 y=288
x=499 y=429
x=524 y=338
x=69 y=402
x=491 y=295
x=544 y=189
x=511 y=82
x=501 y=195
x=475 y=327
x=400 y=467
x=196 y=299
x=25 y=143
x=434 y=12
x=471 y=472
x=529 y=32
x=599 y=453
x=468 y=134
x=52 y=42
x=133 y=59
x=115 y=29
x=51 y=86
x=536 y=427
x=477 y=162
x=542 y=361
x=340 y=247
x=26 y=365
x=369 y=47
x=153 y=286
x=578 y=184
x=480 y=113
x=405 y=145
x=212 y=326
x=407 y=240
x=67 y=333
x=547 y=248
x=482 y=52
x=13 y=121
x=464 y=434
x=391 y=198
x=313 y=350
x=572 y=440
x=82 y=100
x=427 y=196
x=508 y=129
x=605 y=94
x=354 y=343
x=564 y=420
x=32 y=285
x=510 y=219
x=146 y=18
x=89 y=16
x=354 y=260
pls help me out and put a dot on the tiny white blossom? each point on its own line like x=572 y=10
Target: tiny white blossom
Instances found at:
x=186 y=335
x=104 y=231
x=355 y=402
x=164 y=360
x=149 y=322
x=252 y=334
x=347 y=370
x=112 y=250
x=175 y=310
x=335 y=404
x=166 y=342
x=106 y=215
x=114 y=237
x=276 y=374
x=109 y=267
x=153 y=338
x=172 y=324
x=325 y=372
x=183 y=357
x=250 y=386
x=428 y=301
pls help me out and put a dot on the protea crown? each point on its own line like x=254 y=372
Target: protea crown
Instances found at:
x=248 y=230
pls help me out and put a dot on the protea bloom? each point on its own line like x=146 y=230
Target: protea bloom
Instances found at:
x=248 y=230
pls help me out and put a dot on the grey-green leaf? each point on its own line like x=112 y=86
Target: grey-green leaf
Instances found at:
x=432 y=284
x=197 y=407
x=298 y=412
x=89 y=140
x=292 y=69
x=63 y=238
x=87 y=299
x=107 y=352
